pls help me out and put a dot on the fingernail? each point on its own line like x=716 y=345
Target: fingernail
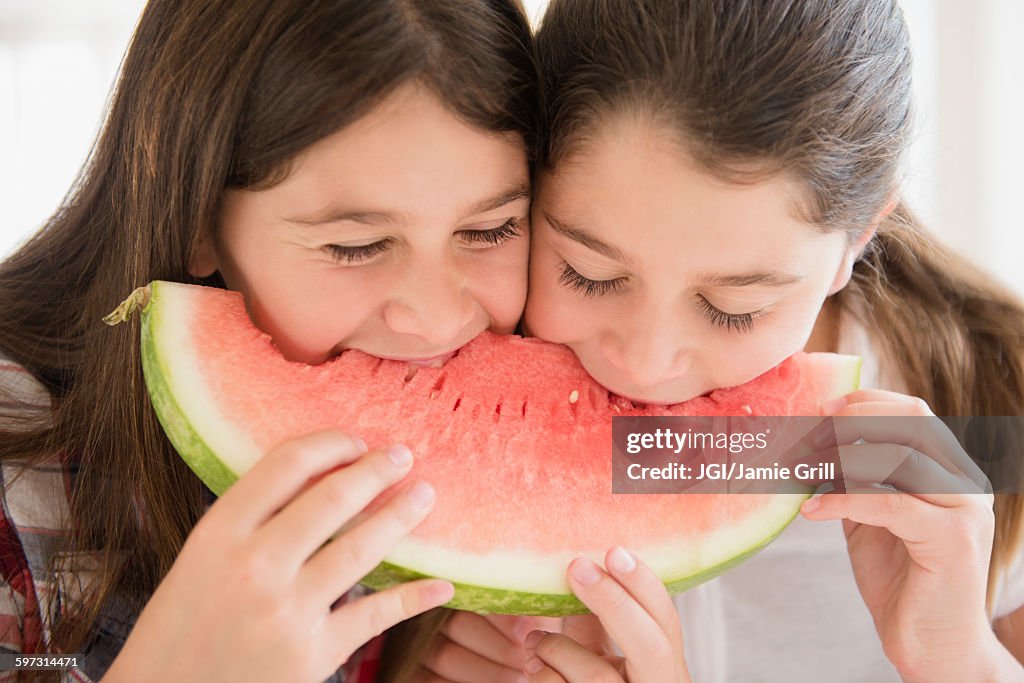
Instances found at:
x=421 y=494
x=400 y=455
x=585 y=571
x=833 y=406
x=533 y=638
x=438 y=592
x=533 y=665
x=360 y=444
x=811 y=504
x=621 y=561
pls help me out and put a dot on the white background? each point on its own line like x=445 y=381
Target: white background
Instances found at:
x=58 y=60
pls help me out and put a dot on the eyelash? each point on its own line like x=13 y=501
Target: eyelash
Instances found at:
x=739 y=322
x=356 y=254
x=573 y=280
x=503 y=233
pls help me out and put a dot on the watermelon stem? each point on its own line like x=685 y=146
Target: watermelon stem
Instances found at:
x=123 y=313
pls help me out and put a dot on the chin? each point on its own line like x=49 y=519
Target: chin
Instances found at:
x=656 y=398
x=651 y=395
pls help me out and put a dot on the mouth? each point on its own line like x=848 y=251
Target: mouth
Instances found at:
x=641 y=403
x=431 y=362
x=435 y=361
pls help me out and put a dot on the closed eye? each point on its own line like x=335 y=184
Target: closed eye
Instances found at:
x=506 y=231
x=739 y=322
x=573 y=280
x=358 y=254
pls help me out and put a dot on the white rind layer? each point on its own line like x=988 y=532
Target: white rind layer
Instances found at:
x=532 y=573
x=234 y=448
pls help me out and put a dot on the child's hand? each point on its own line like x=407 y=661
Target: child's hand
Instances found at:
x=921 y=555
x=637 y=613
x=249 y=596
x=475 y=648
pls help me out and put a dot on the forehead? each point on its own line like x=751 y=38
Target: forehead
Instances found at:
x=632 y=184
x=406 y=146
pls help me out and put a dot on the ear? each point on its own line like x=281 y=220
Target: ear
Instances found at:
x=856 y=248
x=203 y=262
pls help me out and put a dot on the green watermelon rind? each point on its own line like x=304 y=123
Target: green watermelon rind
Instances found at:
x=189 y=444
x=486 y=600
x=202 y=459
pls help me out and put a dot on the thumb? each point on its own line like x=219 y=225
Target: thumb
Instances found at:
x=586 y=629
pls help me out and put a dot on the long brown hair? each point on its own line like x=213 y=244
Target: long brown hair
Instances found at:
x=213 y=94
x=819 y=89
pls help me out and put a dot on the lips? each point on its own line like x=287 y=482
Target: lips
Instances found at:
x=432 y=362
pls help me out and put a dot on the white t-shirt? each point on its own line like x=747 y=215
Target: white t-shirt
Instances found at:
x=793 y=612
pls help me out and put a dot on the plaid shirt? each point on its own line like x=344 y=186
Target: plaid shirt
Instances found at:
x=34 y=518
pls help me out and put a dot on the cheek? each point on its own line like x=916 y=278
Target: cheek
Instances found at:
x=309 y=311
x=551 y=309
x=736 y=358
x=498 y=282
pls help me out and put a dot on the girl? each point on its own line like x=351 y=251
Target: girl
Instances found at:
x=359 y=171
x=717 y=190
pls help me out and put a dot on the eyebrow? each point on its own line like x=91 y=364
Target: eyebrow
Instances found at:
x=766 y=279
x=581 y=236
x=520 y=191
x=513 y=194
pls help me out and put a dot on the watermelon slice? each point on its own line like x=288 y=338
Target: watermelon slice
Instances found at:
x=513 y=433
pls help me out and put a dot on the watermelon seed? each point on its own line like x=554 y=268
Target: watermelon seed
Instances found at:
x=574 y=396
x=458 y=402
x=748 y=410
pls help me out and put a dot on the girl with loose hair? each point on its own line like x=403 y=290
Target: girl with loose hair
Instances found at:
x=717 y=189
x=360 y=172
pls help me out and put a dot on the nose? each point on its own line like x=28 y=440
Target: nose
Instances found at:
x=431 y=303
x=647 y=351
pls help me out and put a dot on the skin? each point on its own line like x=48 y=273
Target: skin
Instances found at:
x=653 y=324
x=650 y=240
x=428 y=218
x=251 y=595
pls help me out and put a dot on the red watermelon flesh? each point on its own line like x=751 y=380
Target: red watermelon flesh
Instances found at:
x=513 y=433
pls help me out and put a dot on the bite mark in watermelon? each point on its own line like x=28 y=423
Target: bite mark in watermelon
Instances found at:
x=513 y=434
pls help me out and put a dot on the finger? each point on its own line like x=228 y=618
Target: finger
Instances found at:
x=539 y=672
x=872 y=396
x=647 y=589
x=280 y=474
x=586 y=629
x=355 y=623
x=453 y=662
x=898 y=466
x=516 y=627
x=906 y=516
x=315 y=515
x=569 y=660
x=477 y=634
x=876 y=424
x=633 y=629
x=351 y=555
